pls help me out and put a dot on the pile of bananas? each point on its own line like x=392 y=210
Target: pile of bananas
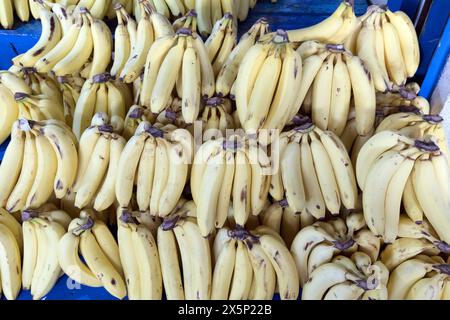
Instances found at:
x=176 y=160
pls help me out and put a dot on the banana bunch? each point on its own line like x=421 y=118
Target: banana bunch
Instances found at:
x=140 y=259
x=229 y=172
x=41 y=235
x=317 y=244
x=98 y=157
x=229 y=70
x=11 y=246
x=40 y=159
x=249 y=266
x=335 y=29
x=332 y=78
x=151 y=27
x=391 y=165
x=420 y=278
x=172 y=61
x=155 y=161
x=414 y=239
x=100 y=94
x=91 y=239
x=221 y=42
x=267 y=84
x=136 y=114
x=387 y=42
x=190 y=278
x=315 y=173
x=355 y=278
x=417 y=126
x=216 y=116
x=87 y=40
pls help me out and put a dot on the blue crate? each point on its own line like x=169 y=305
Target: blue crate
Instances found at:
x=285 y=14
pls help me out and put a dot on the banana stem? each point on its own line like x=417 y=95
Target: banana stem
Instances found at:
x=442 y=268
x=442 y=246
x=433 y=118
x=170 y=223
x=428 y=146
x=29 y=214
x=283 y=203
x=342 y=246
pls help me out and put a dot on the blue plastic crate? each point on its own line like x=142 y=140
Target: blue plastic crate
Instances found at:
x=285 y=14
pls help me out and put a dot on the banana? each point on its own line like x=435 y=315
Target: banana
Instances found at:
x=229 y=71
x=191 y=73
x=408 y=40
x=242 y=188
x=10 y=264
x=325 y=175
x=403 y=249
x=30 y=246
x=101 y=266
x=146 y=253
x=322 y=93
x=167 y=75
x=242 y=275
x=9 y=113
x=395 y=64
x=81 y=51
x=247 y=75
x=11 y=165
x=210 y=185
x=223 y=271
x=203 y=9
x=340 y=97
x=264 y=88
x=93 y=176
x=122 y=43
x=102 y=45
x=50 y=36
x=367 y=52
x=376 y=146
x=207 y=72
x=363 y=94
x=129 y=260
x=18 y=197
x=71 y=263
x=155 y=57
x=47 y=164
x=139 y=49
x=292 y=177
x=106 y=194
x=342 y=168
x=145 y=173
x=163 y=149
x=6 y=14
x=284 y=266
x=433 y=202
x=45 y=277
x=170 y=265
x=128 y=164
x=311 y=67
x=324 y=30
x=428 y=288
x=405 y=276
